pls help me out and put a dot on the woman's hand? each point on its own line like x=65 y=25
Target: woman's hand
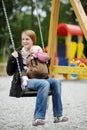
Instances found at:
x=15 y=54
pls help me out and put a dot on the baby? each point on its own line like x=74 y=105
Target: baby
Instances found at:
x=37 y=52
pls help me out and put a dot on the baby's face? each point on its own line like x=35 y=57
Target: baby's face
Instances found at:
x=36 y=49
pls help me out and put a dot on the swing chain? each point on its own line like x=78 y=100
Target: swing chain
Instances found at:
x=10 y=33
x=42 y=41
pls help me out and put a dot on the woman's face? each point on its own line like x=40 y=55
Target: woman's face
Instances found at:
x=26 y=41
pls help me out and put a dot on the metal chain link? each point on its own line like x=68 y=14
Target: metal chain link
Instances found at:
x=42 y=41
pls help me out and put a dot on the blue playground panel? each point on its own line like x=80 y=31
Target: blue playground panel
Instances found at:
x=62 y=61
x=61 y=50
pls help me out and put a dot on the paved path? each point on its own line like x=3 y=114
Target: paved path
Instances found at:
x=17 y=113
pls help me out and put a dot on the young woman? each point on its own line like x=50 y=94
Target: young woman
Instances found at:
x=28 y=39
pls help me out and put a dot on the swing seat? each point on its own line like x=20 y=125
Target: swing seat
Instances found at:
x=31 y=93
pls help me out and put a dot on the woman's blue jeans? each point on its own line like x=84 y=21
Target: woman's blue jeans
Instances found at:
x=43 y=86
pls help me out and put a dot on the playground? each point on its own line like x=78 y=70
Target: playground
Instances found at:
x=17 y=113
x=68 y=31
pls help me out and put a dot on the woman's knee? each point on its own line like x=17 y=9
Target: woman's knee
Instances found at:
x=46 y=84
x=45 y=87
